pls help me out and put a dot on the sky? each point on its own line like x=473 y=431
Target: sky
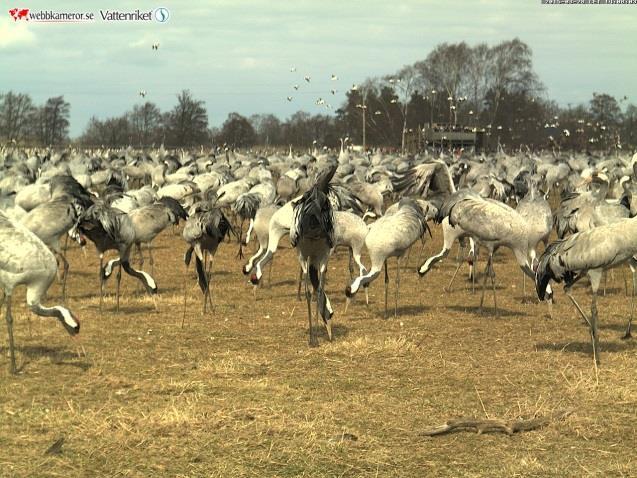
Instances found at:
x=237 y=55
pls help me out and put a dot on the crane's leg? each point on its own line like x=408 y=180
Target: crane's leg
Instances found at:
x=484 y=285
x=523 y=287
x=325 y=311
x=453 y=277
x=567 y=291
x=595 y=276
x=9 y=319
x=207 y=267
x=627 y=334
x=298 y=292
x=183 y=317
x=101 y=274
x=151 y=259
x=472 y=270
x=66 y=272
x=119 y=279
x=209 y=279
x=492 y=277
x=386 y=287
x=397 y=287
x=605 y=274
x=308 y=297
x=205 y=274
x=138 y=247
x=270 y=273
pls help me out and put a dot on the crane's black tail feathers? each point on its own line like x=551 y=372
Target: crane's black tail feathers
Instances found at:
x=546 y=271
x=246 y=205
x=202 y=280
x=188 y=256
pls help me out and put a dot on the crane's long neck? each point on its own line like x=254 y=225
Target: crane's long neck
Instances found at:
x=144 y=277
x=63 y=314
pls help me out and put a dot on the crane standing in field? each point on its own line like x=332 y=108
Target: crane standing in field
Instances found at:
x=204 y=230
x=589 y=253
x=312 y=234
x=391 y=236
x=26 y=260
x=535 y=209
x=432 y=180
x=492 y=224
x=109 y=228
x=149 y=221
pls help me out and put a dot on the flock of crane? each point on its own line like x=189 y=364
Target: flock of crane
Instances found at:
x=376 y=203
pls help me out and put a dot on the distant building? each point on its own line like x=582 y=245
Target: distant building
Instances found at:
x=447 y=136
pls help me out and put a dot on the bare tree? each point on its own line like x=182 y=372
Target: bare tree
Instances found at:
x=50 y=123
x=477 y=76
x=237 y=131
x=145 y=122
x=511 y=70
x=404 y=85
x=110 y=132
x=187 y=123
x=16 y=110
x=446 y=70
x=267 y=128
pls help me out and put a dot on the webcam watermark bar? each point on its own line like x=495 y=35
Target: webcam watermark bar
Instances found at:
x=589 y=2
x=159 y=14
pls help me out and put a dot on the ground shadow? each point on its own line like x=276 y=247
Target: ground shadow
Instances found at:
x=409 y=309
x=586 y=347
x=58 y=356
x=487 y=311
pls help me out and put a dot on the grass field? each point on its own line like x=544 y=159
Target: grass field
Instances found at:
x=238 y=392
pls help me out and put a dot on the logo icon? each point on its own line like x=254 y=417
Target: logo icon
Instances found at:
x=19 y=14
x=161 y=14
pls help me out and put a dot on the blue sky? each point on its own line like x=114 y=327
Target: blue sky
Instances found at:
x=236 y=55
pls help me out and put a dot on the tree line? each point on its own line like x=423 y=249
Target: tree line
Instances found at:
x=490 y=88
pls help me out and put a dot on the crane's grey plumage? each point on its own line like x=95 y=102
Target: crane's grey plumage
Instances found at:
x=204 y=230
x=149 y=221
x=535 y=210
x=492 y=224
x=52 y=219
x=432 y=180
x=391 y=236
x=26 y=260
x=582 y=211
x=111 y=229
x=589 y=253
x=312 y=234
x=428 y=180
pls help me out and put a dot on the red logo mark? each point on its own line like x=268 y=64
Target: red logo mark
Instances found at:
x=19 y=14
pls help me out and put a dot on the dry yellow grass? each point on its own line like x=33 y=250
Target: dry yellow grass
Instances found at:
x=239 y=393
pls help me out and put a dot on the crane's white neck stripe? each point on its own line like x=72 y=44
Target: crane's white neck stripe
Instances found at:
x=355 y=285
x=149 y=280
x=108 y=269
x=66 y=315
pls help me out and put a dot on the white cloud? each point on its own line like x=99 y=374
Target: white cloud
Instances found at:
x=14 y=33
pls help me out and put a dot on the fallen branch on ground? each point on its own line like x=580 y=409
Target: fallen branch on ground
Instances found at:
x=496 y=426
